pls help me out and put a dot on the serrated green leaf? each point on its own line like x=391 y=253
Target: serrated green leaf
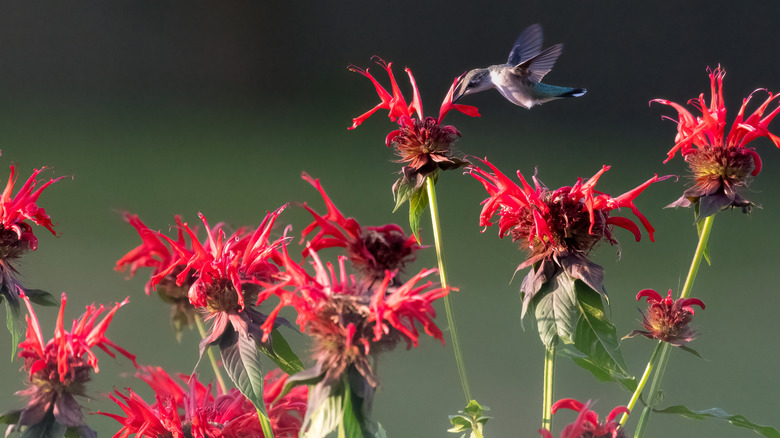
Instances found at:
x=41 y=297
x=417 y=203
x=403 y=189
x=327 y=411
x=556 y=311
x=241 y=359
x=736 y=420
x=460 y=423
x=596 y=338
x=602 y=375
x=281 y=354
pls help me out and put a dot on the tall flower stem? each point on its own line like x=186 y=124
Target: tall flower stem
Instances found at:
x=549 y=384
x=651 y=365
x=212 y=357
x=655 y=386
x=443 y=278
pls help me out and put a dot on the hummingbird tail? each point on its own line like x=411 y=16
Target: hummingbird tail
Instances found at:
x=573 y=92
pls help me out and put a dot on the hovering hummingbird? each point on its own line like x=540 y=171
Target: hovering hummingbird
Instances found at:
x=519 y=80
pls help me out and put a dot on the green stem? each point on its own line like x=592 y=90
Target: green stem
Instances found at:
x=549 y=381
x=212 y=357
x=655 y=387
x=265 y=423
x=651 y=365
x=443 y=277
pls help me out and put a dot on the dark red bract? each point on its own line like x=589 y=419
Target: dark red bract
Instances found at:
x=667 y=319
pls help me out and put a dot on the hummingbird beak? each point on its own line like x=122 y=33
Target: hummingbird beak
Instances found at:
x=460 y=89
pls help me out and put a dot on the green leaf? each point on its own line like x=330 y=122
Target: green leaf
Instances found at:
x=402 y=190
x=13 y=319
x=381 y=432
x=352 y=419
x=596 y=338
x=48 y=427
x=555 y=309
x=601 y=374
x=417 y=203
x=10 y=417
x=690 y=350
x=328 y=403
x=281 y=354
x=241 y=359
x=736 y=420
x=41 y=297
x=469 y=419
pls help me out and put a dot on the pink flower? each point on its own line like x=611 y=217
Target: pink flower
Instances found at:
x=722 y=164
x=423 y=143
x=188 y=409
x=372 y=250
x=587 y=424
x=667 y=319
x=59 y=369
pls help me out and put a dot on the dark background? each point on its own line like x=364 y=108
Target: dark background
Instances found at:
x=163 y=108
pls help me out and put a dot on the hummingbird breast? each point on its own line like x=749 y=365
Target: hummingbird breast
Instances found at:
x=515 y=89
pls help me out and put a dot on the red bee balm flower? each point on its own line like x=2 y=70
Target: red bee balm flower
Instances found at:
x=225 y=273
x=560 y=227
x=350 y=322
x=721 y=164
x=372 y=250
x=60 y=368
x=587 y=424
x=667 y=319
x=423 y=143
x=154 y=253
x=16 y=234
x=190 y=409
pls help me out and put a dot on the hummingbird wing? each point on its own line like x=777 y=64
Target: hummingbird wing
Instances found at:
x=538 y=66
x=527 y=45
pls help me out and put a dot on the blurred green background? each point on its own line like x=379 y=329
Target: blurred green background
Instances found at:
x=161 y=108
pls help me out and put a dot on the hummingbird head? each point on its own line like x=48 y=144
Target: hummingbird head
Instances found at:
x=472 y=82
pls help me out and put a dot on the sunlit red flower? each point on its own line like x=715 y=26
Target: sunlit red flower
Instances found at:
x=350 y=322
x=154 y=253
x=421 y=142
x=667 y=319
x=372 y=250
x=558 y=227
x=59 y=369
x=225 y=273
x=587 y=424
x=187 y=408
x=722 y=164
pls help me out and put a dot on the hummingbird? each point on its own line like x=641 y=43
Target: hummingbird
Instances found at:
x=519 y=80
